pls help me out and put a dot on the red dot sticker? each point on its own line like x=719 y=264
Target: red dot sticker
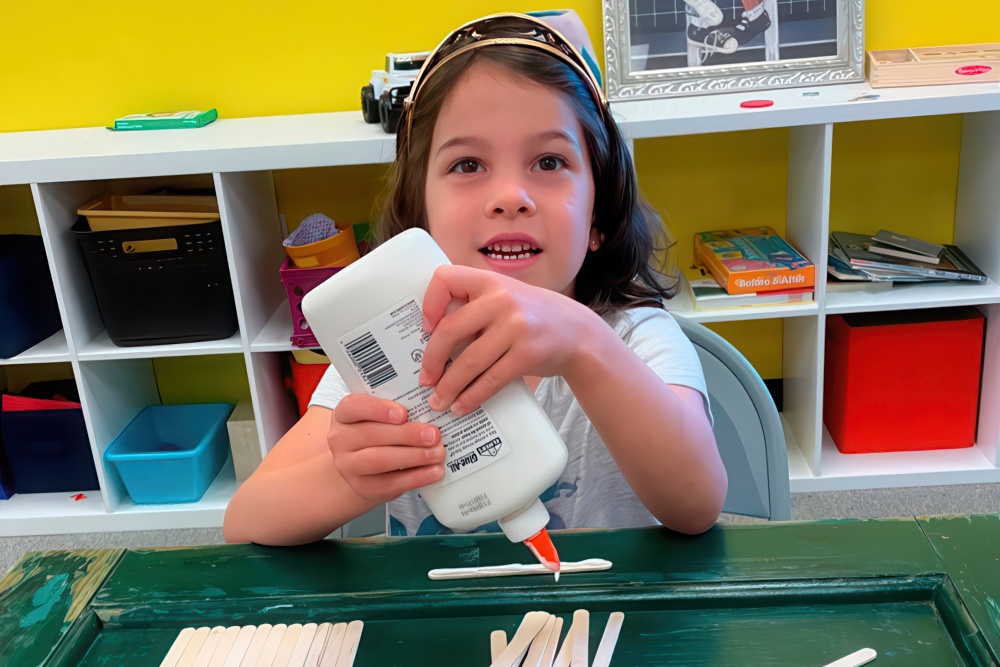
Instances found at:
x=756 y=104
x=973 y=70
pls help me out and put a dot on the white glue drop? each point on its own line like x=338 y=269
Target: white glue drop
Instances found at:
x=368 y=319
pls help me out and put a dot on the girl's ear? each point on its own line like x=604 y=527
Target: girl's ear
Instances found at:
x=596 y=238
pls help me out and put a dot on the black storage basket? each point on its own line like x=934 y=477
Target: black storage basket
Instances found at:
x=161 y=284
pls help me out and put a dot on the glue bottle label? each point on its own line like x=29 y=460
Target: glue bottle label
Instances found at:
x=386 y=353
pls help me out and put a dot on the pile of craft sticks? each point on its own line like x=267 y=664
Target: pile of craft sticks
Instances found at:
x=279 y=645
x=536 y=642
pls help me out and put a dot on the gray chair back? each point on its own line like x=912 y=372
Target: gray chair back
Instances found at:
x=747 y=428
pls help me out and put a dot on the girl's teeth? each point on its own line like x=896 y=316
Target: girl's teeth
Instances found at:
x=510 y=251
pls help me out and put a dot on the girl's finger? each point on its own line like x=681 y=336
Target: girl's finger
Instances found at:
x=380 y=460
x=355 y=408
x=447 y=284
x=454 y=332
x=475 y=360
x=373 y=435
x=485 y=386
x=393 y=484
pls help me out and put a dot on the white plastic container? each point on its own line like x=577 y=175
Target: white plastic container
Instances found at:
x=500 y=458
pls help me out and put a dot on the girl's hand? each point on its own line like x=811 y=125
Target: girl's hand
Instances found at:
x=515 y=330
x=380 y=454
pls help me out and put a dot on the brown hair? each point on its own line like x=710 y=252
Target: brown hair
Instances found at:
x=624 y=271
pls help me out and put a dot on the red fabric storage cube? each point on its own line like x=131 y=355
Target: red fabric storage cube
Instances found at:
x=903 y=380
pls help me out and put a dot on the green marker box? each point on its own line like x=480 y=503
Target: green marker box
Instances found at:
x=166 y=120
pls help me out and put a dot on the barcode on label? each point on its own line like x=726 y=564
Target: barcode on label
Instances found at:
x=370 y=360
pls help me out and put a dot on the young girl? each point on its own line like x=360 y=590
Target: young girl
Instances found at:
x=508 y=155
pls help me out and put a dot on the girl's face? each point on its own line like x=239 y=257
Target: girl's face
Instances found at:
x=509 y=182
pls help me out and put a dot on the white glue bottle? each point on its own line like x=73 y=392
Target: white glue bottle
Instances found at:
x=368 y=319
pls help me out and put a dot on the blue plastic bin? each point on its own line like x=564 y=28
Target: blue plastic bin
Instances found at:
x=28 y=310
x=172 y=453
x=48 y=450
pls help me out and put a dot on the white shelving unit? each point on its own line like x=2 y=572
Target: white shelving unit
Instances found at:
x=65 y=168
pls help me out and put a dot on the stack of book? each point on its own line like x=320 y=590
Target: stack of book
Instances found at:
x=748 y=267
x=708 y=294
x=892 y=257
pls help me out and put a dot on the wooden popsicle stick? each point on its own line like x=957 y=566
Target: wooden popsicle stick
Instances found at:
x=271 y=646
x=301 y=648
x=318 y=644
x=498 y=642
x=287 y=645
x=177 y=648
x=193 y=647
x=256 y=645
x=239 y=648
x=349 y=649
x=517 y=569
x=531 y=625
x=566 y=651
x=608 y=640
x=581 y=638
x=862 y=657
x=208 y=648
x=332 y=649
x=539 y=643
x=225 y=646
x=550 y=646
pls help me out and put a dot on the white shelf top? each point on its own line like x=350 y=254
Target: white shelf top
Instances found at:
x=276 y=336
x=49 y=513
x=722 y=112
x=343 y=138
x=55 y=513
x=51 y=350
x=228 y=144
x=917 y=295
x=966 y=465
x=102 y=348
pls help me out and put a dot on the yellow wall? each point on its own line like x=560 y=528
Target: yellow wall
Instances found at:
x=82 y=64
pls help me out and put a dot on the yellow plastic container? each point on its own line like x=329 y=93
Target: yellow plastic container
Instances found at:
x=310 y=357
x=337 y=250
x=115 y=212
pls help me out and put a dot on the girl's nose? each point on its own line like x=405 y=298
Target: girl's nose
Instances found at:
x=510 y=198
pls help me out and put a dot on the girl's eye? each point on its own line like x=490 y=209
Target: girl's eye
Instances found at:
x=551 y=163
x=466 y=166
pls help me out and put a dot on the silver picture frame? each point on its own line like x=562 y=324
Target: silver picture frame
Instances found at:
x=643 y=63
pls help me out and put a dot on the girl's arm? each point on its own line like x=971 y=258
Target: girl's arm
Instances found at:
x=659 y=434
x=332 y=467
x=296 y=495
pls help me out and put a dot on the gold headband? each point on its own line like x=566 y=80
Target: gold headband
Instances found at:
x=527 y=32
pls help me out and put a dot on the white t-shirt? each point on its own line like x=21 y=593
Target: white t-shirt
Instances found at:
x=591 y=492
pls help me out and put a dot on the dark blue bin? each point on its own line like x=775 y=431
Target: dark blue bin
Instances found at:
x=28 y=310
x=6 y=483
x=48 y=450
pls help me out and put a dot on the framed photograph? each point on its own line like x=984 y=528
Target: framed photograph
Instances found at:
x=664 y=48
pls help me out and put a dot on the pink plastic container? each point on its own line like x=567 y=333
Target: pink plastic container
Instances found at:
x=298 y=282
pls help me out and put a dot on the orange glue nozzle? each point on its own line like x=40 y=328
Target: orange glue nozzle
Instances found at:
x=541 y=545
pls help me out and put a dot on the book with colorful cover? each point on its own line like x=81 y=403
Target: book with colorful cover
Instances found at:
x=708 y=294
x=753 y=260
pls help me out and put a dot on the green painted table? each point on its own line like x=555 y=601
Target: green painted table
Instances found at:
x=920 y=592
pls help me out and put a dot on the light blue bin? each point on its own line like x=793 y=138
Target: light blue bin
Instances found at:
x=172 y=453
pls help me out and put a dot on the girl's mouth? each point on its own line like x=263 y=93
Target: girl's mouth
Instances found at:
x=510 y=251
